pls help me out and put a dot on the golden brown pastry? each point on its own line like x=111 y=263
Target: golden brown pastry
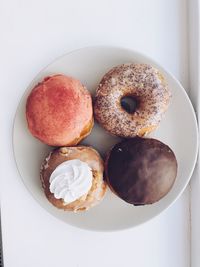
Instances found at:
x=72 y=178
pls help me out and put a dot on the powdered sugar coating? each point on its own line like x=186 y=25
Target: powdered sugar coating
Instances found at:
x=141 y=81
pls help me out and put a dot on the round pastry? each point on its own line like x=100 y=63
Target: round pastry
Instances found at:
x=59 y=111
x=72 y=178
x=140 y=170
x=131 y=99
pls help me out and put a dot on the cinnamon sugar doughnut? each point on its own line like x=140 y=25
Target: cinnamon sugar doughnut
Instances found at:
x=145 y=85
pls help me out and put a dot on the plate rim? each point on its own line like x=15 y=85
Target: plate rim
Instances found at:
x=142 y=55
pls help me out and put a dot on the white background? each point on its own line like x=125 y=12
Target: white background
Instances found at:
x=32 y=34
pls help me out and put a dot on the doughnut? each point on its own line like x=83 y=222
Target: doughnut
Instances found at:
x=59 y=111
x=142 y=85
x=141 y=170
x=72 y=178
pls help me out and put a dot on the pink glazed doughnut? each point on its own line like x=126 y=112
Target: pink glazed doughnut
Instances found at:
x=59 y=111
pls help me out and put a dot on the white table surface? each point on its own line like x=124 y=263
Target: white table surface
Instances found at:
x=33 y=33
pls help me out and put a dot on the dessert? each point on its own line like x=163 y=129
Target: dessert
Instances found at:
x=72 y=178
x=59 y=111
x=141 y=170
x=131 y=100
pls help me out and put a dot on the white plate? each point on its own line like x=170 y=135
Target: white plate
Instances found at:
x=178 y=129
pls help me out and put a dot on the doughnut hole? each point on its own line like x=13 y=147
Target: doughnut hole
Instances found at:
x=129 y=103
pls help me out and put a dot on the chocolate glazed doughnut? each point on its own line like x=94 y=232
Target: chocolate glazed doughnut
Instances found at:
x=141 y=170
x=141 y=83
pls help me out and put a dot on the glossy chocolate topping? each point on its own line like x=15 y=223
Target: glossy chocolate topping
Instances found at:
x=141 y=170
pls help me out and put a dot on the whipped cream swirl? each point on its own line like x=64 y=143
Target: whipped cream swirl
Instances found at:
x=71 y=180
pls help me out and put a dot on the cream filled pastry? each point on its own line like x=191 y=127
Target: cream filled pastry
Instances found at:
x=72 y=178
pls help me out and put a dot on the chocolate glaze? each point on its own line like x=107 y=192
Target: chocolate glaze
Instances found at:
x=141 y=170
